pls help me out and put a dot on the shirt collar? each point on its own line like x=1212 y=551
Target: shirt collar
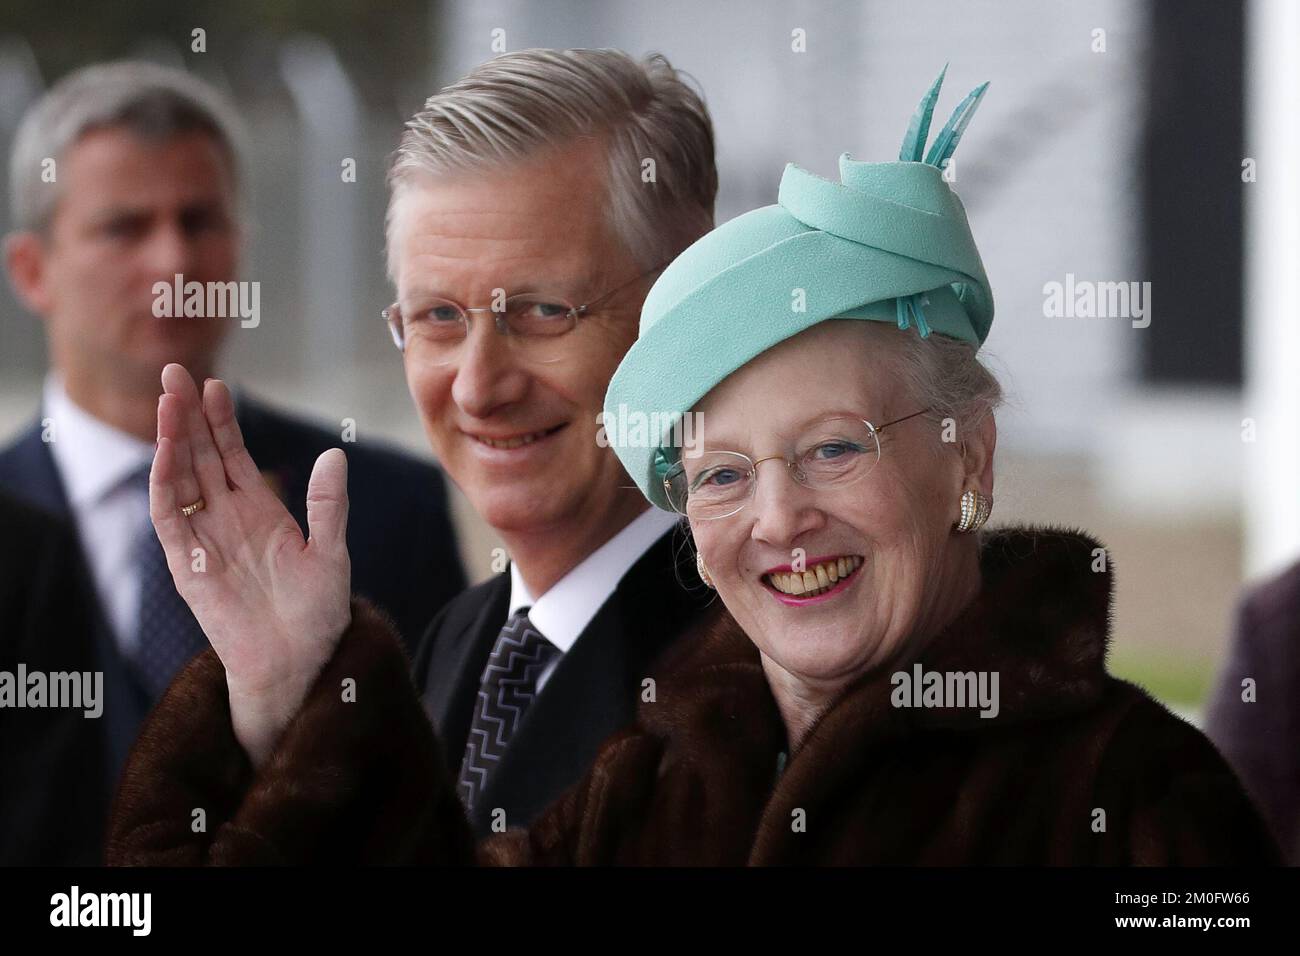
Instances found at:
x=92 y=457
x=563 y=612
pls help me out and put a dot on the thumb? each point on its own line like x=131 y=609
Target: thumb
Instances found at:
x=327 y=500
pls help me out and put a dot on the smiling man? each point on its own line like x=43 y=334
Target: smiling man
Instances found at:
x=524 y=231
x=514 y=418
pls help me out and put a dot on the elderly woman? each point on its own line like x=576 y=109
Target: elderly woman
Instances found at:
x=889 y=685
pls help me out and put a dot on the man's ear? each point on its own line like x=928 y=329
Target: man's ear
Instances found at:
x=25 y=257
x=977 y=457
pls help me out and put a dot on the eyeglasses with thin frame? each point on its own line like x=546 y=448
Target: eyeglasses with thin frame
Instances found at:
x=830 y=454
x=435 y=327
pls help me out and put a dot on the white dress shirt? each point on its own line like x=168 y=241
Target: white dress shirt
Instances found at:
x=563 y=612
x=94 y=460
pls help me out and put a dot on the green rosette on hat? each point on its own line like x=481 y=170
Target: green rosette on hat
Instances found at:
x=889 y=242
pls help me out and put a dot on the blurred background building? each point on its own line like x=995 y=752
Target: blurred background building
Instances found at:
x=1119 y=142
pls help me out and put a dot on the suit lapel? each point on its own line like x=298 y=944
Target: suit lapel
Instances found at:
x=281 y=471
x=580 y=705
x=595 y=687
x=29 y=473
x=460 y=651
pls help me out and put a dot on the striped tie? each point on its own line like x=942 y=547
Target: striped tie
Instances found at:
x=507 y=688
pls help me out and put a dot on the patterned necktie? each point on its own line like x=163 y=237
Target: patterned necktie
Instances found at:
x=167 y=635
x=507 y=688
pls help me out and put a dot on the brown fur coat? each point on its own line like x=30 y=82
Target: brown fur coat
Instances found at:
x=1076 y=768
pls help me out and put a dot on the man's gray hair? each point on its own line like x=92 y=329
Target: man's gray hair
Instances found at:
x=518 y=105
x=153 y=102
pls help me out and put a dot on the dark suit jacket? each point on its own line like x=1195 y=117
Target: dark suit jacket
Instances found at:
x=1261 y=739
x=593 y=691
x=404 y=558
x=46 y=751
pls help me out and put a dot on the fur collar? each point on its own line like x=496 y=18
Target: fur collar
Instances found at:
x=1041 y=621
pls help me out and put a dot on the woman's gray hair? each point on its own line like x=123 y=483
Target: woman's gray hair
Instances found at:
x=518 y=105
x=153 y=102
x=945 y=375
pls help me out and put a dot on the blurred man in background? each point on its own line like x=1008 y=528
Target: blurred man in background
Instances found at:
x=122 y=177
x=1254 y=710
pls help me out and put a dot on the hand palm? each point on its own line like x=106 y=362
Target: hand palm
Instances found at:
x=272 y=604
x=264 y=588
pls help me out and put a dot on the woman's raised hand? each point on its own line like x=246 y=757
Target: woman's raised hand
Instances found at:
x=272 y=605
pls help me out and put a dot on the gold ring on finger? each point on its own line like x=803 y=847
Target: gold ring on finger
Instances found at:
x=188 y=510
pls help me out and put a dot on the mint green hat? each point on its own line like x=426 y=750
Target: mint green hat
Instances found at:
x=888 y=243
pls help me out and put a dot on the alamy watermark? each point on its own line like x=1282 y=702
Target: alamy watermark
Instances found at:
x=130 y=910
x=208 y=300
x=1085 y=299
x=946 y=689
x=76 y=690
x=629 y=428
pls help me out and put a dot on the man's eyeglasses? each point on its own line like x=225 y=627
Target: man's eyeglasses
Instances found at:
x=434 y=328
x=833 y=453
